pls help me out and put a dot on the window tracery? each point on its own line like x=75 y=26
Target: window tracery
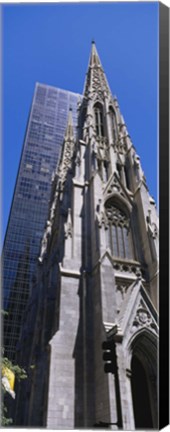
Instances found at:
x=99 y=120
x=118 y=233
x=112 y=117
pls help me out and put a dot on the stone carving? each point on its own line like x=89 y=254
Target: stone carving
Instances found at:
x=78 y=163
x=102 y=142
x=127 y=267
x=45 y=239
x=53 y=207
x=66 y=161
x=138 y=169
x=153 y=230
x=152 y=227
x=101 y=216
x=102 y=220
x=114 y=186
x=68 y=225
x=99 y=151
x=121 y=290
x=98 y=82
x=78 y=159
x=94 y=156
x=136 y=160
x=120 y=145
x=143 y=319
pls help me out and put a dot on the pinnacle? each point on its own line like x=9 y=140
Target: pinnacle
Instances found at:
x=95 y=77
x=94 y=57
x=69 y=134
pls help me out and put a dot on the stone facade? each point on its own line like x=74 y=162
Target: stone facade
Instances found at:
x=97 y=271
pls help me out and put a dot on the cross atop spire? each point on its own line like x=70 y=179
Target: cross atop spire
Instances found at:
x=96 y=81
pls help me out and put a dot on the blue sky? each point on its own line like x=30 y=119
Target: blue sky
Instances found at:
x=50 y=43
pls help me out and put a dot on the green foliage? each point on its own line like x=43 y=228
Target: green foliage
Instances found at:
x=5 y=421
x=20 y=374
x=18 y=371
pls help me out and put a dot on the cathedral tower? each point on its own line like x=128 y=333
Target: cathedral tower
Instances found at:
x=96 y=281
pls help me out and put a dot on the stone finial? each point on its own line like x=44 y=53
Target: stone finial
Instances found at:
x=69 y=133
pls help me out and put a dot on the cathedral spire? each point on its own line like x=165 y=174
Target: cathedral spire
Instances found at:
x=96 y=81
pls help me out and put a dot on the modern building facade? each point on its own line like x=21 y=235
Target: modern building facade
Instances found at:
x=29 y=210
x=95 y=287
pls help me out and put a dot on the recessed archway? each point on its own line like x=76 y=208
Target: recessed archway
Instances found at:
x=144 y=379
x=140 y=396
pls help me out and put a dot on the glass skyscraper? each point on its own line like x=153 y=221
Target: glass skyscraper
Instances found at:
x=29 y=210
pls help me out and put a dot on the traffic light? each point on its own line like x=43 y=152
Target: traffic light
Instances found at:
x=108 y=356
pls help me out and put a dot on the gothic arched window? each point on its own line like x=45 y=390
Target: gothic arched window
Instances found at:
x=99 y=120
x=119 y=234
x=112 y=117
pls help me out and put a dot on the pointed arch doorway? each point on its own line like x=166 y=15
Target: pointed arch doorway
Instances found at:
x=140 y=396
x=144 y=380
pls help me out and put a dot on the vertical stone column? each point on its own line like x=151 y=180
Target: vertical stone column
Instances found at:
x=77 y=223
x=125 y=389
x=68 y=234
x=77 y=209
x=61 y=391
x=130 y=156
x=108 y=123
x=112 y=401
x=122 y=174
x=113 y=156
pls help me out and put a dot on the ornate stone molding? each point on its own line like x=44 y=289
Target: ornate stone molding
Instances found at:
x=70 y=273
x=114 y=188
x=152 y=227
x=102 y=219
x=101 y=215
x=143 y=319
x=122 y=288
x=127 y=266
x=120 y=146
x=66 y=160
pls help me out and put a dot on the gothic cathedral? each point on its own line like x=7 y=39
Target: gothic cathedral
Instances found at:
x=90 y=335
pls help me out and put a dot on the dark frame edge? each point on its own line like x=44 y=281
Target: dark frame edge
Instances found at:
x=164 y=214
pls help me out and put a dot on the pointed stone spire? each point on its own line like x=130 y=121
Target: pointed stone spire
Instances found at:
x=94 y=57
x=58 y=178
x=68 y=148
x=96 y=82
